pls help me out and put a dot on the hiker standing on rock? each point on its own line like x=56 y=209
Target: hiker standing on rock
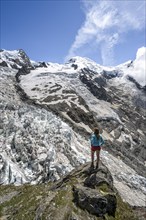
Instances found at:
x=96 y=143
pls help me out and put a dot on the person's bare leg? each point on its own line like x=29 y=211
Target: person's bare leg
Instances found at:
x=92 y=158
x=97 y=155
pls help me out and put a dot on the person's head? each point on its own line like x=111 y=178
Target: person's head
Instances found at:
x=96 y=131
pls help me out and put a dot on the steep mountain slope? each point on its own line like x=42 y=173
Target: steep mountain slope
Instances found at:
x=48 y=112
x=86 y=94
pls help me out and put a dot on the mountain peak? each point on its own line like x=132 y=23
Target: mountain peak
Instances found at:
x=81 y=59
x=14 y=59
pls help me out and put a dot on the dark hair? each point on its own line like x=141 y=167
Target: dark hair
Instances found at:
x=96 y=132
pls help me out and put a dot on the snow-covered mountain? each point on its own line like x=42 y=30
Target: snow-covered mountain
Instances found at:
x=48 y=111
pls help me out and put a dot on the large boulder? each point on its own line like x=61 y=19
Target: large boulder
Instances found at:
x=94 y=201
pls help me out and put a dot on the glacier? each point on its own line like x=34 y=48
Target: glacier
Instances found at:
x=48 y=111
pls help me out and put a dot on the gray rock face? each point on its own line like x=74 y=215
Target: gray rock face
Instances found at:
x=88 y=196
x=3 y=63
x=94 y=202
x=95 y=86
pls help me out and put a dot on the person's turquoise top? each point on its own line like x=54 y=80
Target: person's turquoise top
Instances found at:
x=96 y=141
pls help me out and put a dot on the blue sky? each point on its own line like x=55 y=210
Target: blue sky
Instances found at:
x=109 y=32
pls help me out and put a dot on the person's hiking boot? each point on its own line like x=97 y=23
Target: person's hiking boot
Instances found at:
x=92 y=165
x=96 y=166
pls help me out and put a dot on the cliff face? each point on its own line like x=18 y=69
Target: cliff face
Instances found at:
x=82 y=194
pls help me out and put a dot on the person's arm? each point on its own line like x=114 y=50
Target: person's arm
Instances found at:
x=91 y=139
x=102 y=141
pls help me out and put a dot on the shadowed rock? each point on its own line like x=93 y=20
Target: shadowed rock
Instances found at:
x=93 y=201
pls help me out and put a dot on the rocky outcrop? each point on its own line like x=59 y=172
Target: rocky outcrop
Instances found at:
x=94 y=202
x=95 y=87
x=3 y=64
x=22 y=71
x=135 y=82
x=82 y=194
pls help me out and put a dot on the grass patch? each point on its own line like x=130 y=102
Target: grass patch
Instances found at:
x=124 y=211
x=23 y=205
x=104 y=188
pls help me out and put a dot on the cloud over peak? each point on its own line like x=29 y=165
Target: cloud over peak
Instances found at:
x=106 y=24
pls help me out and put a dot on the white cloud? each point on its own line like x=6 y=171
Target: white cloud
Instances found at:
x=140 y=67
x=105 y=24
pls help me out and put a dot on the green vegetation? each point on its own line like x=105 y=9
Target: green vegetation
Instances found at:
x=23 y=205
x=124 y=211
x=54 y=201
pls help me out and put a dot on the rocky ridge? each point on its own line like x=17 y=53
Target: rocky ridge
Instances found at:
x=82 y=194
